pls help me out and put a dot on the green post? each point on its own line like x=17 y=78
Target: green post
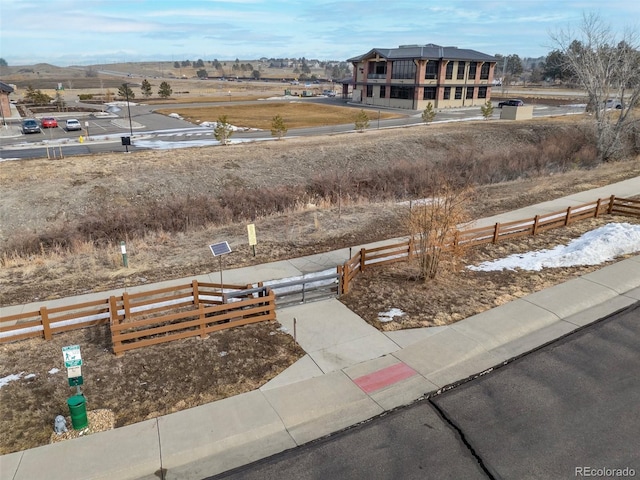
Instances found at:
x=78 y=411
x=125 y=260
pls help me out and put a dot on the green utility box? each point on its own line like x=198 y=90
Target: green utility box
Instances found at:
x=78 y=410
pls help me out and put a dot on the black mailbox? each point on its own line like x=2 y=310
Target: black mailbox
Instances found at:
x=126 y=140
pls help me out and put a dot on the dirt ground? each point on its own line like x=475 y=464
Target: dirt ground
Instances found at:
x=166 y=378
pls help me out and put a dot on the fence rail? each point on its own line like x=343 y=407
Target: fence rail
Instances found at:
x=147 y=318
x=490 y=234
x=120 y=310
x=197 y=321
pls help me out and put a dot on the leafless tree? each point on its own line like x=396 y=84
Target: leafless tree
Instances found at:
x=607 y=66
x=433 y=223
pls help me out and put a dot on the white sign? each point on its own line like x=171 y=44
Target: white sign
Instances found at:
x=71 y=356
x=73 y=372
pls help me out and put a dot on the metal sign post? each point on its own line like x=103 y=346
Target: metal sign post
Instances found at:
x=219 y=249
x=73 y=363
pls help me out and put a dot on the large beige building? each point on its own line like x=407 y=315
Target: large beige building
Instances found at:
x=411 y=76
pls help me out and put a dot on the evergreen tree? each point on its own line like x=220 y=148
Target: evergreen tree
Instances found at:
x=278 y=128
x=125 y=91
x=362 y=121
x=165 y=90
x=487 y=110
x=146 y=88
x=429 y=113
x=223 y=130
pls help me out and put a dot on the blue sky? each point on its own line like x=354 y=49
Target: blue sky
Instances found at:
x=67 y=32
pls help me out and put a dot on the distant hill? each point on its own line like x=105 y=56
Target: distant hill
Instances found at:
x=46 y=76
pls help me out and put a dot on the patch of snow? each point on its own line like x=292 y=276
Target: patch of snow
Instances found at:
x=389 y=315
x=31 y=375
x=593 y=248
x=10 y=378
x=223 y=354
x=53 y=371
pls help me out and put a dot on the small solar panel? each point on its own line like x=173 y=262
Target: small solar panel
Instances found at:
x=220 y=248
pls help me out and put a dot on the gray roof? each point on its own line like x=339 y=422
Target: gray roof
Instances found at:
x=426 y=52
x=5 y=88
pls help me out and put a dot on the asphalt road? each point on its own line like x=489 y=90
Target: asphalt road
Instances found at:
x=159 y=130
x=567 y=410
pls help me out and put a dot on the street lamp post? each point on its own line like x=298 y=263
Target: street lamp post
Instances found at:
x=127 y=142
x=128 y=110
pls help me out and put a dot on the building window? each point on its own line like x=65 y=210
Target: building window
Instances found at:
x=369 y=90
x=377 y=70
x=460 y=71
x=482 y=92
x=403 y=69
x=383 y=91
x=458 y=93
x=484 y=71
x=429 y=93
x=431 y=72
x=469 y=93
x=404 y=93
x=472 y=70
x=449 y=72
x=447 y=93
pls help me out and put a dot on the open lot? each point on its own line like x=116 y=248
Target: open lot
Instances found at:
x=295 y=115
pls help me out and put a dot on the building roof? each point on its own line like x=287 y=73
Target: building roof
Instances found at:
x=5 y=88
x=425 y=52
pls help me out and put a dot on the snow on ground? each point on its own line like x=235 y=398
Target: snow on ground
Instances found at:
x=10 y=378
x=390 y=315
x=592 y=248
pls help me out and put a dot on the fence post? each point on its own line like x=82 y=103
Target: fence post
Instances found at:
x=46 y=327
x=346 y=274
x=126 y=306
x=203 y=322
x=363 y=253
x=196 y=292
x=611 y=200
x=113 y=310
x=536 y=220
x=597 y=212
x=496 y=233
x=568 y=216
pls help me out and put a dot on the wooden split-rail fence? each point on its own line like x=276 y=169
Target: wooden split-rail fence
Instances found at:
x=156 y=316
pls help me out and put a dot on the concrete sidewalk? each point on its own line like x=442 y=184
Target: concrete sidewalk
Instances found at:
x=351 y=372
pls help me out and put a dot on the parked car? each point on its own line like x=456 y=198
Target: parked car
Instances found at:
x=613 y=104
x=49 y=122
x=512 y=102
x=73 y=124
x=329 y=93
x=30 y=125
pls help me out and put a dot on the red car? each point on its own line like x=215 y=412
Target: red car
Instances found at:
x=49 y=122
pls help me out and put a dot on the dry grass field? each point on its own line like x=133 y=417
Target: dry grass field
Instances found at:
x=261 y=116
x=58 y=218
